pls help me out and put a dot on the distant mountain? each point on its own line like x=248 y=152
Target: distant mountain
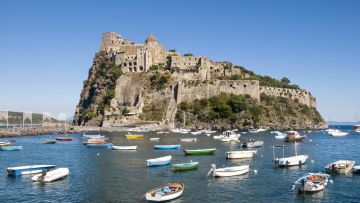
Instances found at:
x=341 y=122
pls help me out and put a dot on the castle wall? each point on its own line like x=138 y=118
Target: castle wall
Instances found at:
x=190 y=90
x=304 y=97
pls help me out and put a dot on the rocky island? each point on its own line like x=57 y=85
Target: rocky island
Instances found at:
x=133 y=84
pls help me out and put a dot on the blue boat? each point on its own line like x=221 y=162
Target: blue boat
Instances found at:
x=167 y=147
x=99 y=145
x=25 y=170
x=10 y=148
x=158 y=161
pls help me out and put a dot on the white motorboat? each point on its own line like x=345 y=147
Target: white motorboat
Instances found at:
x=180 y=130
x=255 y=144
x=196 y=132
x=210 y=131
x=229 y=171
x=357 y=128
x=26 y=170
x=340 y=167
x=4 y=143
x=228 y=136
x=165 y=193
x=240 y=154
x=289 y=161
x=279 y=135
x=257 y=130
x=158 y=161
x=312 y=182
x=294 y=136
x=188 y=139
x=154 y=139
x=50 y=176
x=337 y=133
x=85 y=136
x=356 y=169
x=124 y=147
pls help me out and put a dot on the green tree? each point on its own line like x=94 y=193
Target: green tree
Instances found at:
x=285 y=80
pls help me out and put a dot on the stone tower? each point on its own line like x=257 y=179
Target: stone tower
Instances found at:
x=111 y=42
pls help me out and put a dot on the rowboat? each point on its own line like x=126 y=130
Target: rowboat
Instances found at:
x=154 y=139
x=255 y=144
x=199 y=151
x=185 y=166
x=189 y=139
x=10 y=148
x=124 y=147
x=196 y=132
x=165 y=193
x=49 y=142
x=49 y=176
x=289 y=161
x=93 y=142
x=312 y=182
x=64 y=138
x=293 y=136
x=4 y=143
x=25 y=170
x=340 y=167
x=228 y=171
x=99 y=145
x=158 y=161
x=93 y=136
x=240 y=154
x=257 y=130
x=167 y=147
x=131 y=136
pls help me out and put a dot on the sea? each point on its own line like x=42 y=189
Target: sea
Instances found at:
x=105 y=175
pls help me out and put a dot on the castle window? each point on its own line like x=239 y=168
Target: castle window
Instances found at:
x=135 y=69
x=130 y=69
x=125 y=64
x=135 y=63
x=141 y=68
x=130 y=64
x=244 y=86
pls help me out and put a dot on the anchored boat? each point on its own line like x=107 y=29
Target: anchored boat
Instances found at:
x=199 y=151
x=289 y=161
x=10 y=148
x=106 y=145
x=158 y=161
x=255 y=144
x=312 y=182
x=64 y=138
x=165 y=193
x=131 y=136
x=4 y=143
x=293 y=136
x=167 y=147
x=240 y=154
x=25 y=170
x=228 y=171
x=124 y=147
x=49 y=176
x=340 y=167
x=49 y=142
x=189 y=139
x=185 y=166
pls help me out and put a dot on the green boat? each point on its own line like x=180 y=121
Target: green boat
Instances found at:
x=199 y=151
x=185 y=166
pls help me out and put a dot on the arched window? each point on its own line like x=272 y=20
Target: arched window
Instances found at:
x=134 y=63
x=130 y=64
x=141 y=68
x=125 y=64
x=135 y=69
x=130 y=69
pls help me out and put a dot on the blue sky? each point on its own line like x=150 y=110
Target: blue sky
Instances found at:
x=47 y=47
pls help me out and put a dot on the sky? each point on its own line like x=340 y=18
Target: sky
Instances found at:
x=47 y=47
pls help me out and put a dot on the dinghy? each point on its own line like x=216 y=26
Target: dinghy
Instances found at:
x=50 y=176
x=189 y=139
x=185 y=166
x=49 y=142
x=257 y=130
x=199 y=151
x=10 y=148
x=64 y=138
x=340 y=167
x=25 y=170
x=228 y=171
x=158 y=161
x=106 y=145
x=312 y=182
x=165 y=193
x=154 y=139
x=167 y=147
x=93 y=142
x=196 y=132
x=240 y=154
x=4 y=143
x=131 y=136
x=289 y=161
x=124 y=147
x=255 y=144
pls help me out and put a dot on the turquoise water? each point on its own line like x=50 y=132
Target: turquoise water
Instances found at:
x=103 y=175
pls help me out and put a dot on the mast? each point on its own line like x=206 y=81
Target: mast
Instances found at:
x=295 y=149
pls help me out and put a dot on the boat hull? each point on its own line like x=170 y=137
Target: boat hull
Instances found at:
x=345 y=167
x=134 y=136
x=185 y=166
x=167 y=147
x=240 y=154
x=124 y=147
x=200 y=151
x=155 y=195
x=231 y=171
x=99 y=145
x=64 y=138
x=52 y=175
x=291 y=161
x=158 y=161
x=25 y=170
x=10 y=148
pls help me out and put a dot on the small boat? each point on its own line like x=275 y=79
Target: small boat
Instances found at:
x=154 y=139
x=64 y=138
x=280 y=137
x=356 y=128
x=158 y=161
x=210 y=131
x=49 y=176
x=337 y=133
x=180 y=130
x=124 y=147
x=289 y=161
x=162 y=132
x=25 y=170
x=228 y=171
x=4 y=143
x=165 y=193
x=240 y=154
x=49 y=142
x=255 y=144
x=131 y=136
x=185 y=166
x=228 y=136
x=196 y=132
x=199 y=151
x=293 y=136
x=356 y=169
x=167 y=147
x=188 y=139
x=340 y=167
x=257 y=130
x=10 y=148
x=106 y=145
x=312 y=182
x=93 y=142
x=93 y=136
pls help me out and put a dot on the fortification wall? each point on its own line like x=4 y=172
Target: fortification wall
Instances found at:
x=190 y=90
x=303 y=96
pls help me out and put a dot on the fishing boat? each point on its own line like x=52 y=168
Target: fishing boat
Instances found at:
x=167 y=147
x=255 y=144
x=337 y=133
x=25 y=170
x=289 y=161
x=4 y=143
x=154 y=139
x=185 y=166
x=49 y=142
x=64 y=138
x=188 y=139
x=105 y=145
x=131 y=136
x=293 y=136
x=228 y=136
x=312 y=182
x=49 y=176
x=257 y=130
x=340 y=167
x=124 y=147
x=165 y=193
x=10 y=148
x=240 y=154
x=199 y=151
x=158 y=161
x=228 y=171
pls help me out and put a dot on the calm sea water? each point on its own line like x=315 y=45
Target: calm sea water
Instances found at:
x=103 y=175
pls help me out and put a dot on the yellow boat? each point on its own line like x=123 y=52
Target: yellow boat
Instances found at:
x=129 y=136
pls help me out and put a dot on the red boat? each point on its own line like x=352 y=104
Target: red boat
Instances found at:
x=64 y=138
x=94 y=142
